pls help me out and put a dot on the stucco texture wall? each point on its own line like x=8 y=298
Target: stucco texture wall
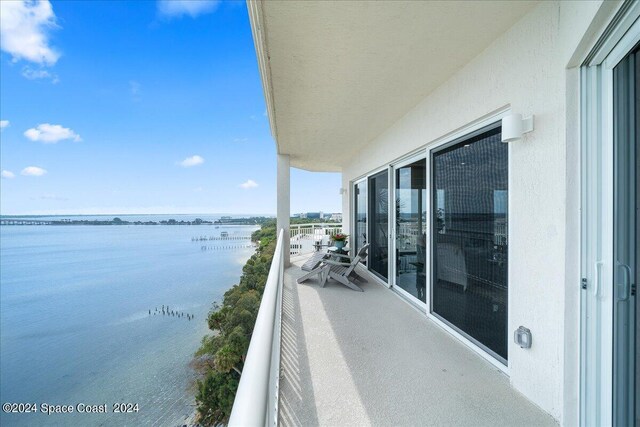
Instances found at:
x=526 y=69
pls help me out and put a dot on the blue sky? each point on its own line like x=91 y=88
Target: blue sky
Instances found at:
x=138 y=107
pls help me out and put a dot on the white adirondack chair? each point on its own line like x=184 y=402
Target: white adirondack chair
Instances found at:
x=342 y=272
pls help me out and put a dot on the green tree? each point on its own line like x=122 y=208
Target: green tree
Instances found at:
x=232 y=324
x=215 y=397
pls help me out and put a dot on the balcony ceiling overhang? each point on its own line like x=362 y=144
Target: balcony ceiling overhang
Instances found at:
x=338 y=74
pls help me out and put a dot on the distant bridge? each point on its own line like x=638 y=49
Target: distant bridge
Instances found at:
x=232 y=237
x=24 y=222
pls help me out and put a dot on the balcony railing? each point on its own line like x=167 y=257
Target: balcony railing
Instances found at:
x=306 y=238
x=256 y=402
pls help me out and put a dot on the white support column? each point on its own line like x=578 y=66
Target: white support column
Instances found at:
x=284 y=205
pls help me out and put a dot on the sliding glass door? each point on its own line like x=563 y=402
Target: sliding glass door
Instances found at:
x=359 y=237
x=410 y=228
x=379 y=224
x=609 y=374
x=469 y=239
x=626 y=78
x=464 y=279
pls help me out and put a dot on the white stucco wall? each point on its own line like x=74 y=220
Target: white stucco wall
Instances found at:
x=525 y=69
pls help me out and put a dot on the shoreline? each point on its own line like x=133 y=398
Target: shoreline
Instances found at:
x=116 y=221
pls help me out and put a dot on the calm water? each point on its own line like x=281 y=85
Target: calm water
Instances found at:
x=74 y=317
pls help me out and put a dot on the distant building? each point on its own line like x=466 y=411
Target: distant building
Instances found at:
x=311 y=215
x=319 y=215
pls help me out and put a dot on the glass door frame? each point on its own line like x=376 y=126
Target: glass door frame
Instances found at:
x=427 y=151
x=492 y=123
x=597 y=231
x=492 y=119
x=352 y=218
x=393 y=261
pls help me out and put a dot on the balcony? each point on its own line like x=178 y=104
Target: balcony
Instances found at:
x=362 y=358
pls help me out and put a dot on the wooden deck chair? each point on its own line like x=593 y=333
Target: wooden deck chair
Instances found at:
x=311 y=264
x=342 y=272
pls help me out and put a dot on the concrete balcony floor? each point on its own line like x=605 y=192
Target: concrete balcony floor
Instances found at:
x=368 y=358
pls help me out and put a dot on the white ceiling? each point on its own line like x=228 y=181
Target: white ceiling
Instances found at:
x=337 y=74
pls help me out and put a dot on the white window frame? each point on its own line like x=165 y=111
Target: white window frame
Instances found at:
x=353 y=221
x=426 y=151
x=435 y=146
x=404 y=161
x=597 y=234
x=359 y=179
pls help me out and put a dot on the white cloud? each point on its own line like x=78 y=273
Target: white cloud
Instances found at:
x=24 y=27
x=31 y=74
x=192 y=161
x=33 y=171
x=249 y=184
x=193 y=8
x=241 y=140
x=4 y=124
x=8 y=174
x=51 y=134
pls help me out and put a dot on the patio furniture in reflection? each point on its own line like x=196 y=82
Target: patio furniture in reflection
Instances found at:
x=421 y=277
x=452 y=267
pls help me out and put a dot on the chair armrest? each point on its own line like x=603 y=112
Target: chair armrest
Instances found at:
x=331 y=262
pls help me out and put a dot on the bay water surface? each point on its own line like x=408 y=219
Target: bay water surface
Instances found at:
x=75 y=322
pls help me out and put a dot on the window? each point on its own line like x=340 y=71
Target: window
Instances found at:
x=360 y=221
x=469 y=239
x=411 y=211
x=379 y=224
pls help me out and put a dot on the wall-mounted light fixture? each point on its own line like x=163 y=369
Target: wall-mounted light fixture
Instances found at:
x=343 y=191
x=514 y=126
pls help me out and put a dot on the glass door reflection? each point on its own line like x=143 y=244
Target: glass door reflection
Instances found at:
x=360 y=220
x=379 y=224
x=470 y=265
x=411 y=209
